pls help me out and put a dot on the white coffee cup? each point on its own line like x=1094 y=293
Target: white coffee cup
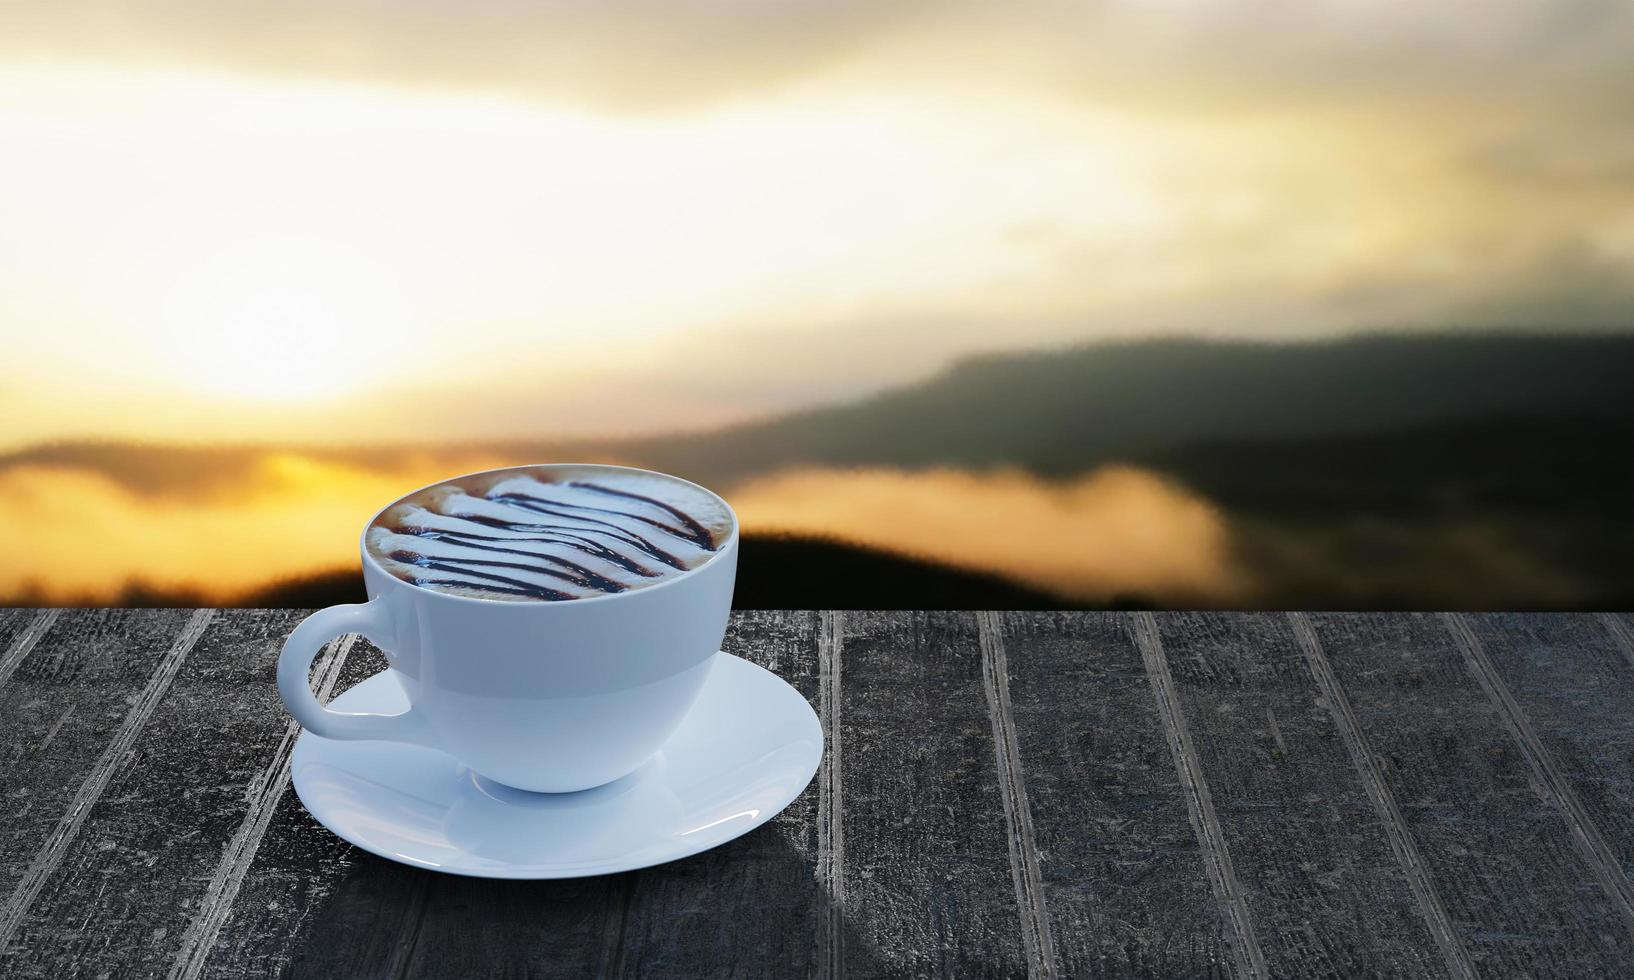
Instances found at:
x=544 y=696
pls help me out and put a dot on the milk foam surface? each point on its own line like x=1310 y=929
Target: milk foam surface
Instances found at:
x=549 y=533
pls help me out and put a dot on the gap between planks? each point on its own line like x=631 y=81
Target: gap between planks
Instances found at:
x=1545 y=774
x=113 y=757
x=1018 y=815
x=25 y=641
x=1431 y=907
x=1621 y=634
x=264 y=793
x=830 y=938
x=1199 y=803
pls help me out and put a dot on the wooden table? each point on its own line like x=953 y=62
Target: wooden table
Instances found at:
x=1041 y=794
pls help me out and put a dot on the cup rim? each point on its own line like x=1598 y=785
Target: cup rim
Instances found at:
x=729 y=543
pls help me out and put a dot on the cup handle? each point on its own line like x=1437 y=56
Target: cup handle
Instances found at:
x=295 y=664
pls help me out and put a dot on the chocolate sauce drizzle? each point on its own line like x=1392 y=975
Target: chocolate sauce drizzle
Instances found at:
x=527 y=503
x=696 y=532
x=515 y=586
x=466 y=539
x=601 y=540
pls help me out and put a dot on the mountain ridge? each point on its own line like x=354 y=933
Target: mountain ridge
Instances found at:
x=1376 y=472
x=1054 y=412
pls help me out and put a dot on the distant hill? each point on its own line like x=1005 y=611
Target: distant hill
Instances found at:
x=1373 y=472
x=1056 y=412
x=1497 y=513
x=1059 y=412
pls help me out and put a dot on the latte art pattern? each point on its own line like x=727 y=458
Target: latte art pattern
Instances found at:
x=549 y=533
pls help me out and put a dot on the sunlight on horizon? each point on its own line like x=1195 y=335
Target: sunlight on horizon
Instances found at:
x=287 y=241
x=1114 y=531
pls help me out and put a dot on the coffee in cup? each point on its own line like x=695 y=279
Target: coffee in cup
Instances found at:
x=549 y=534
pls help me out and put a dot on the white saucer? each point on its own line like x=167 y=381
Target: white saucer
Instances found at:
x=749 y=746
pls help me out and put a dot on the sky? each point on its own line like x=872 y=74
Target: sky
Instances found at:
x=352 y=222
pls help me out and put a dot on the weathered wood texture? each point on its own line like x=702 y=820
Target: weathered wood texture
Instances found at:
x=1523 y=899
x=69 y=709
x=1123 y=877
x=311 y=905
x=1015 y=794
x=14 y=624
x=148 y=849
x=926 y=861
x=1309 y=852
x=1573 y=677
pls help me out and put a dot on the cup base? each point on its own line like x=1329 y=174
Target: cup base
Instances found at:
x=516 y=796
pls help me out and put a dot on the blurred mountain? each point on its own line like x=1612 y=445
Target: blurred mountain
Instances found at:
x=1375 y=472
x=1507 y=512
x=1060 y=412
x=1052 y=412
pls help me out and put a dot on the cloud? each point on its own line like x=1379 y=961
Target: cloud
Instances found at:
x=76 y=533
x=1309 y=169
x=1575 y=284
x=1567 y=284
x=1596 y=162
x=645 y=55
x=1532 y=280
x=1117 y=531
x=73 y=532
x=627 y=54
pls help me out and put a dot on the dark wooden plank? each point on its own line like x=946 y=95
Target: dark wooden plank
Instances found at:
x=1199 y=799
x=65 y=703
x=1123 y=879
x=1037 y=940
x=128 y=889
x=1569 y=677
x=262 y=796
x=107 y=768
x=1622 y=633
x=1433 y=908
x=13 y=624
x=470 y=927
x=12 y=620
x=927 y=882
x=749 y=908
x=1327 y=895
x=20 y=632
x=309 y=904
x=1516 y=885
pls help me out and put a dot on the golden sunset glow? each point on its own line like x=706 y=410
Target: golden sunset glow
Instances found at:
x=1113 y=531
x=298 y=242
x=1116 y=530
x=88 y=536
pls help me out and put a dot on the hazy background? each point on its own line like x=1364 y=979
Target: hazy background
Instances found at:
x=1140 y=302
